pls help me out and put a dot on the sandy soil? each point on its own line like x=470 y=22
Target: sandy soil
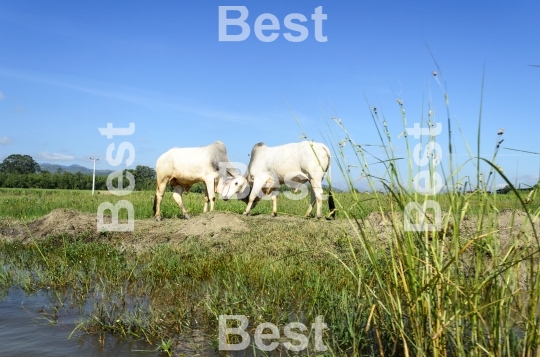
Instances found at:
x=147 y=232
x=217 y=226
x=508 y=227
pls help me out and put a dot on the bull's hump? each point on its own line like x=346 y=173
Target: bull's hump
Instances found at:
x=220 y=147
x=256 y=148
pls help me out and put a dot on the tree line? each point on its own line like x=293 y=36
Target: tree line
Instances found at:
x=21 y=171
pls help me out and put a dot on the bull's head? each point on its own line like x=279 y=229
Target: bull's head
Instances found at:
x=239 y=186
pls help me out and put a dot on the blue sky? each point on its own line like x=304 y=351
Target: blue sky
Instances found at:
x=68 y=68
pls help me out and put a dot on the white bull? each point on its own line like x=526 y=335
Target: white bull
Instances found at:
x=183 y=167
x=293 y=164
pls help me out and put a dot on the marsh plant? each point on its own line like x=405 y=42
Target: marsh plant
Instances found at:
x=443 y=290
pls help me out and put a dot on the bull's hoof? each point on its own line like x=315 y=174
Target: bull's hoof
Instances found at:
x=158 y=219
x=331 y=215
x=274 y=214
x=186 y=216
x=318 y=217
x=244 y=214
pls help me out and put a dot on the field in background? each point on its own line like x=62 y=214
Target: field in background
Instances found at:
x=28 y=204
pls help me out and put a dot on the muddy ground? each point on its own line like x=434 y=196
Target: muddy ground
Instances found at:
x=219 y=226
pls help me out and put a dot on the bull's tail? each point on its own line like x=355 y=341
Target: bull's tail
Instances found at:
x=331 y=204
x=155 y=203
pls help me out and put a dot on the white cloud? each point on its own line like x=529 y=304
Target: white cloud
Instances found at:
x=137 y=96
x=523 y=181
x=55 y=156
x=527 y=180
x=5 y=140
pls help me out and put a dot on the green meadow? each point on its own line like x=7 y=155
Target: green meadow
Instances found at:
x=28 y=204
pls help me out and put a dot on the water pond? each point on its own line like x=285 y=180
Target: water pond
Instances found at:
x=30 y=326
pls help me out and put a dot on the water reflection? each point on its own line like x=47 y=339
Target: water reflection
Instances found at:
x=39 y=325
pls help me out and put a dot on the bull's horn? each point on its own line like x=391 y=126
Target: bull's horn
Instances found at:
x=233 y=174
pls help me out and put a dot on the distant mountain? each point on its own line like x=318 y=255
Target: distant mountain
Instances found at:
x=53 y=168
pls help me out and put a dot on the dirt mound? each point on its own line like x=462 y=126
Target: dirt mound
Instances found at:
x=216 y=227
x=62 y=221
x=210 y=224
x=508 y=226
x=76 y=224
x=59 y=221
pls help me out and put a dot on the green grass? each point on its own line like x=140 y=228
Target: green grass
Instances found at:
x=28 y=204
x=448 y=294
x=161 y=292
x=412 y=292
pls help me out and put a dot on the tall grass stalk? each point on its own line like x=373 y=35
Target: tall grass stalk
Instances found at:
x=441 y=292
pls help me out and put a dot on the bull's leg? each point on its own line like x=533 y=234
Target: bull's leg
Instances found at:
x=160 y=191
x=274 y=194
x=205 y=209
x=210 y=193
x=205 y=201
x=250 y=203
x=316 y=186
x=311 y=202
x=255 y=191
x=177 y=195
